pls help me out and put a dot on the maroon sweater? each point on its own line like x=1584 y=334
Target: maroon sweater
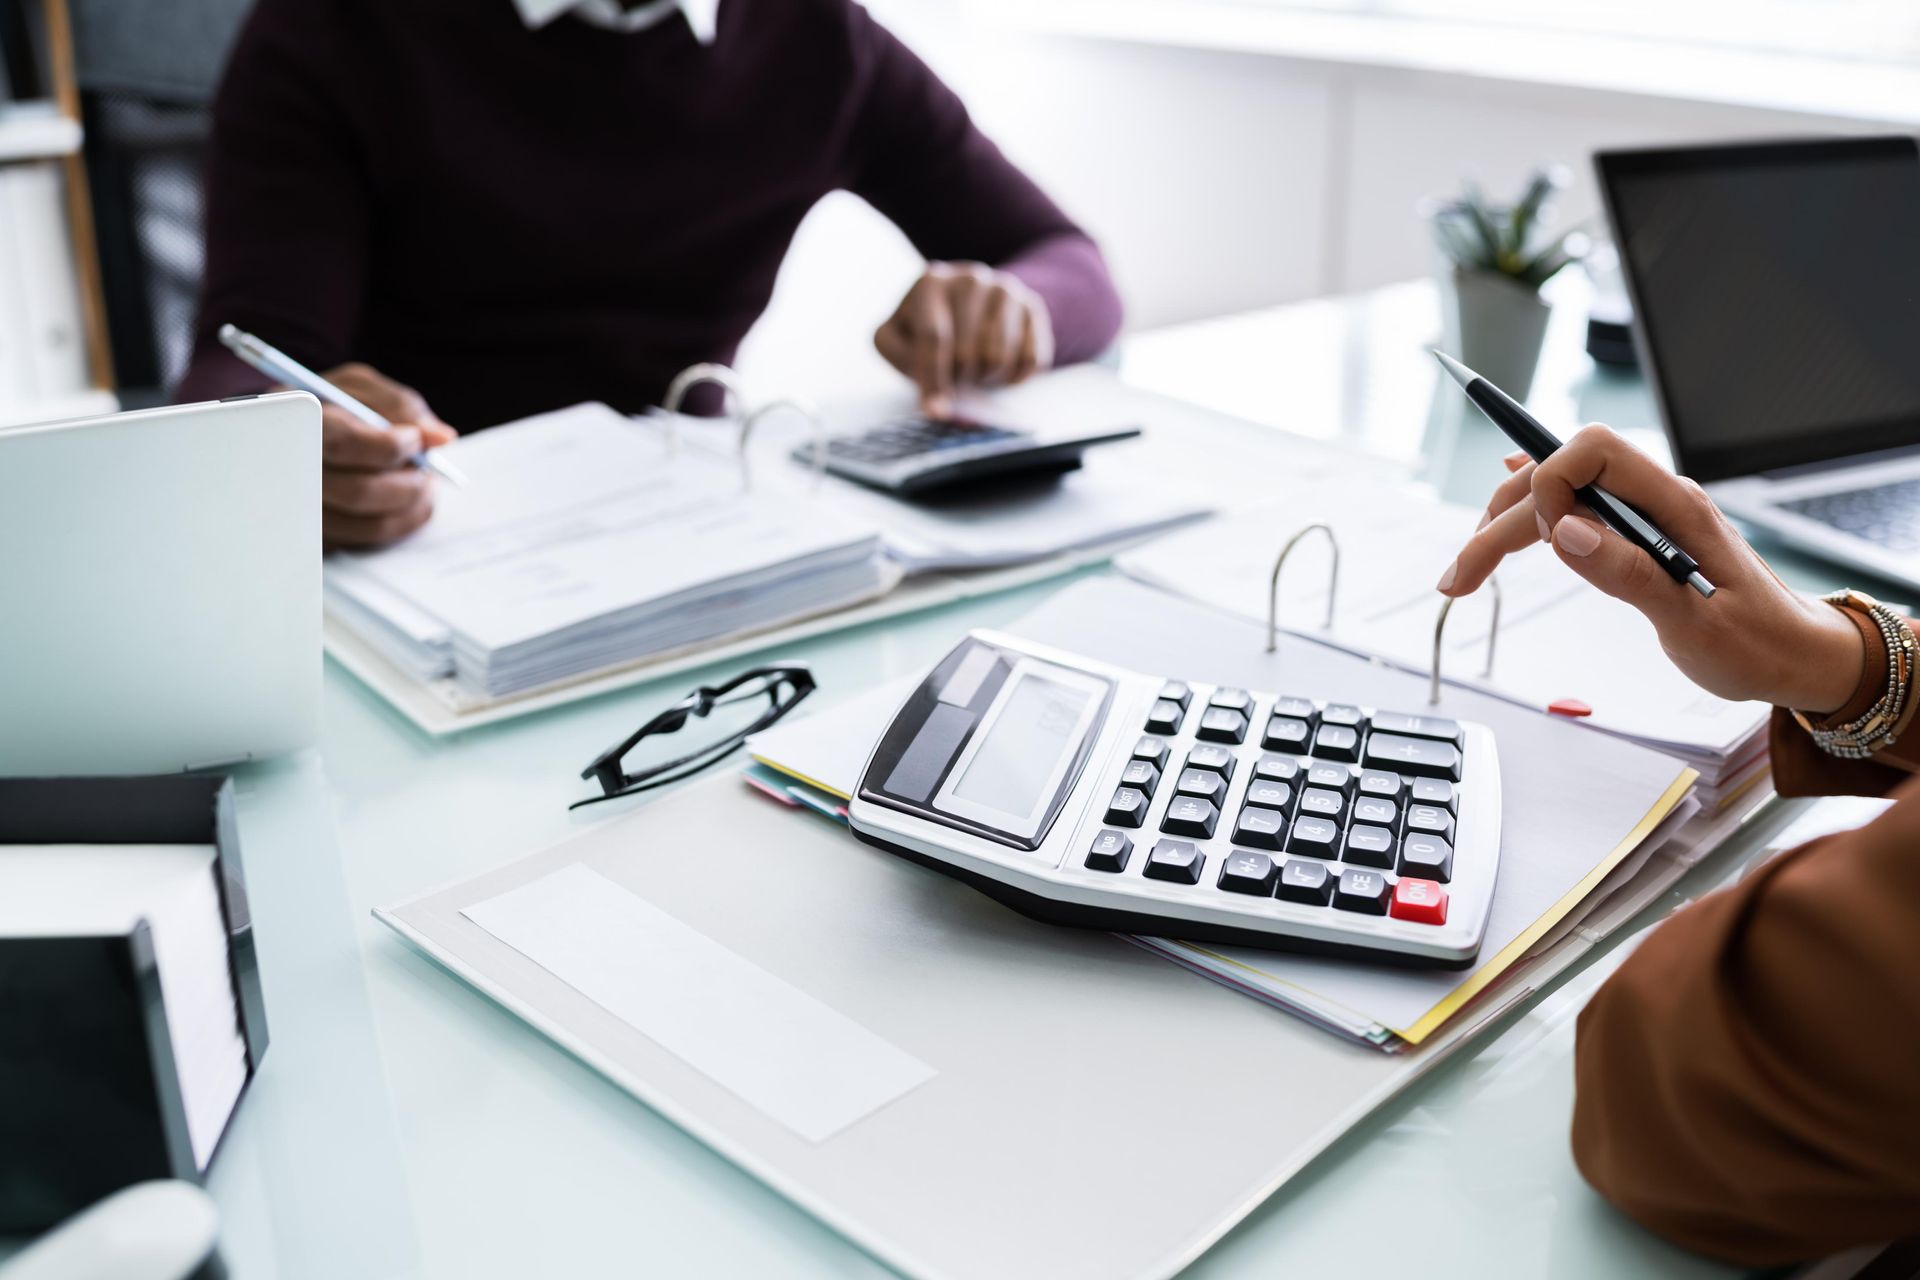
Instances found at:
x=514 y=220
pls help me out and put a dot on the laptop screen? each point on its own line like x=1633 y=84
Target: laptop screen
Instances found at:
x=1777 y=291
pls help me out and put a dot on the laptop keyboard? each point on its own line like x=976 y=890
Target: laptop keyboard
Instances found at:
x=1887 y=514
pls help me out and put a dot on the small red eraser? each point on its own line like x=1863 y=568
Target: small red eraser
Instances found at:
x=1569 y=707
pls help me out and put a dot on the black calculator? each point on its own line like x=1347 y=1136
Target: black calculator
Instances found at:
x=918 y=455
x=1085 y=794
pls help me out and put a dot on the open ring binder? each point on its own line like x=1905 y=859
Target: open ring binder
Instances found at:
x=1440 y=629
x=1273 y=585
x=805 y=409
x=746 y=419
x=695 y=375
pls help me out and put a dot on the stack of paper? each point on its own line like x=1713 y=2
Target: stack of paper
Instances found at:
x=1593 y=828
x=583 y=542
x=1560 y=640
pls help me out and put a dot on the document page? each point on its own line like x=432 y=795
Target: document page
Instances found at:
x=1395 y=541
x=579 y=514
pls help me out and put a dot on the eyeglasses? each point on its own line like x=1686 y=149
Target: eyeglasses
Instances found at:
x=782 y=687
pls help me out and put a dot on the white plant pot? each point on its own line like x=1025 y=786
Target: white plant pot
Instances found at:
x=1495 y=326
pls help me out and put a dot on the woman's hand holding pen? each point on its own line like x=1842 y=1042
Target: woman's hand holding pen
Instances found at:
x=1754 y=638
x=369 y=495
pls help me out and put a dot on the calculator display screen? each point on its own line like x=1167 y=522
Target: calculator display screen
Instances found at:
x=1013 y=766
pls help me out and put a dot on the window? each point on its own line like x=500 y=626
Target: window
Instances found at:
x=1872 y=30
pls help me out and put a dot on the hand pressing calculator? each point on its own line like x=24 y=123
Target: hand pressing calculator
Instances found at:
x=916 y=455
x=1089 y=795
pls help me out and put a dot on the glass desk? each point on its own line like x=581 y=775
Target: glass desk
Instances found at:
x=406 y=1126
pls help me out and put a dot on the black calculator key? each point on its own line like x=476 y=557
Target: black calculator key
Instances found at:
x=1128 y=807
x=1296 y=708
x=1374 y=810
x=1426 y=858
x=1416 y=726
x=1141 y=774
x=1165 y=717
x=1375 y=783
x=1175 y=860
x=1248 y=872
x=1151 y=749
x=1309 y=882
x=1190 y=816
x=1336 y=742
x=1321 y=803
x=1315 y=837
x=1219 y=724
x=1232 y=699
x=1362 y=891
x=1110 y=851
x=1176 y=691
x=1429 y=820
x=1284 y=733
x=1276 y=768
x=1342 y=713
x=1261 y=828
x=1332 y=777
x=1437 y=792
x=1204 y=783
x=1218 y=759
x=1369 y=846
x=1268 y=794
x=1421 y=756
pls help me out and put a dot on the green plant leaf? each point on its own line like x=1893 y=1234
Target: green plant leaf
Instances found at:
x=1526 y=214
x=1458 y=243
x=1567 y=248
x=1482 y=223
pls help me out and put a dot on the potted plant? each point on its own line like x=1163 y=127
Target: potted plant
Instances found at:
x=1494 y=261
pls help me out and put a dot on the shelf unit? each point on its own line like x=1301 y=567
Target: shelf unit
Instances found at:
x=48 y=213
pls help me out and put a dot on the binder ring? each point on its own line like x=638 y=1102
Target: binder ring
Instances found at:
x=1439 y=630
x=1273 y=586
x=806 y=410
x=689 y=378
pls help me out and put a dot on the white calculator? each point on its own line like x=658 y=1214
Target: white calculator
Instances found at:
x=1084 y=794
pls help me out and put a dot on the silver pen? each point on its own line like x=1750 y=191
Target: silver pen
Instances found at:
x=275 y=363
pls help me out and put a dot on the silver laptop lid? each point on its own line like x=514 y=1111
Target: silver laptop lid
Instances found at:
x=160 y=588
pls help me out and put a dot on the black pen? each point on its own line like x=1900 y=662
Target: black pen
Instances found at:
x=1539 y=443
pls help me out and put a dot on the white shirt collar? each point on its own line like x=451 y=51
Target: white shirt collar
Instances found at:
x=702 y=15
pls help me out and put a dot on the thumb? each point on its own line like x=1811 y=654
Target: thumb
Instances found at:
x=1616 y=567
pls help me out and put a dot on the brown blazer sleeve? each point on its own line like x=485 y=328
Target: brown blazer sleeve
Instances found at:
x=1748 y=1082
x=1802 y=769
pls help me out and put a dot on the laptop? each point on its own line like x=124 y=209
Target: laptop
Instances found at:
x=1776 y=296
x=161 y=588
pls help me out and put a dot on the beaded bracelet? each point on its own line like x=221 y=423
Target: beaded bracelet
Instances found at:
x=1876 y=728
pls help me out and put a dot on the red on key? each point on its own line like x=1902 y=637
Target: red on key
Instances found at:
x=1421 y=901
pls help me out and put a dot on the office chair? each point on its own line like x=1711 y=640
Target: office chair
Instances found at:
x=147 y=75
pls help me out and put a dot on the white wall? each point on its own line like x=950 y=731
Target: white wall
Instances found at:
x=1216 y=181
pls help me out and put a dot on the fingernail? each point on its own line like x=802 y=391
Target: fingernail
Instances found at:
x=408 y=439
x=1546 y=534
x=1577 y=537
x=1446 y=579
